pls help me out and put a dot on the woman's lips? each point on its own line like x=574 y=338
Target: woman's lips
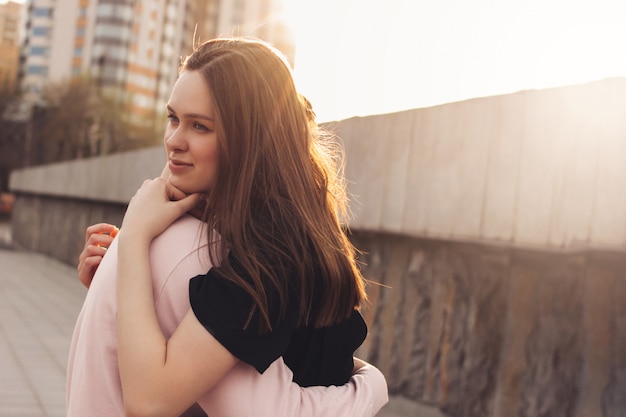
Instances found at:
x=177 y=166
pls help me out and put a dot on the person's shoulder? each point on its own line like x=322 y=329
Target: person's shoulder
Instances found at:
x=187 y=232
x=184 y=225
x=186 y=238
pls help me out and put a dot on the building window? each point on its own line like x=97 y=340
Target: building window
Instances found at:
x=39 y=50
x=42 y=12
x=37 y=70
x=105 y=10
x=111 y=31
x=78 y=51
x=40 y=31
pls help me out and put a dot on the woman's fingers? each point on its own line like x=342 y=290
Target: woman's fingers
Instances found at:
x=174 y=193
x=98 y=238
x=155 y=206
x=87 y=268
x=188 y=203
x=99 y=229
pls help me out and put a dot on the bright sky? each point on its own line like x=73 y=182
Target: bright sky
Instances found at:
x=360 y=57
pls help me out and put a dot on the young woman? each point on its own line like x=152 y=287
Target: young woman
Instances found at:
x=243 y=146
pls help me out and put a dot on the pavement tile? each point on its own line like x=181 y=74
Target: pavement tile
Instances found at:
x=39 y=301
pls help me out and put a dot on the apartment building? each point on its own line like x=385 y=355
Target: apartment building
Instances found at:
x=132 y=47
x=10 y=25
x=46 y=51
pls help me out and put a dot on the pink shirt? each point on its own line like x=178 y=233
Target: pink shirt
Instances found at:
x=177 y=255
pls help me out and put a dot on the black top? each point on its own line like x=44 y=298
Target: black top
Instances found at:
x=317 y=356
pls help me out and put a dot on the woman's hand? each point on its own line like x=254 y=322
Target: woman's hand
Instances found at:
x=98 y=238
x=155 y=206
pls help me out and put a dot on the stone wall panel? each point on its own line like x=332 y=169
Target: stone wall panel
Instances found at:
x=554 y=346
x=56 y=226
x=614 y=393
x=491 y=331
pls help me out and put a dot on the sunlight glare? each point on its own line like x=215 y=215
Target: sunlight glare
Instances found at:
x=364 y=57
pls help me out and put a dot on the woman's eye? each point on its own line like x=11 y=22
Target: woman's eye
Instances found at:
x=199 y=126
x=172 y=118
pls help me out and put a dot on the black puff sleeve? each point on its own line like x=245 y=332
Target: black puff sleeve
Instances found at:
x=223 y=308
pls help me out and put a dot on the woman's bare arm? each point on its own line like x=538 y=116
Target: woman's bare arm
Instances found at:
x=159 y=377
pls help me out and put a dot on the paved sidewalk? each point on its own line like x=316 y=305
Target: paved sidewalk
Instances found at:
x=39 y=301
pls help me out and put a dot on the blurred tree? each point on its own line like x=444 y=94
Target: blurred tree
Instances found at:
x=78 y=119
x=12 y=137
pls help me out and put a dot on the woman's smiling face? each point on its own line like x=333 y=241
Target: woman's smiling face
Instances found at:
x=190 y=139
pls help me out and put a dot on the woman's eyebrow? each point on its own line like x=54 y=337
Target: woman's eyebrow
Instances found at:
x=191 y=115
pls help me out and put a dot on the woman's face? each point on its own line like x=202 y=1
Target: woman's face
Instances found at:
x=190 y=138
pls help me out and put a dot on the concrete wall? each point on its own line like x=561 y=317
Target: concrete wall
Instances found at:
x=537 y=169
x=111 y=178
x=540 y=169
x=479 y=330
x=55 y=203
x=493 y=232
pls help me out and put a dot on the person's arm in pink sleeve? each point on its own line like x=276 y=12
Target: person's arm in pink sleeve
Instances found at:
x=274 y=394
x=363 y=396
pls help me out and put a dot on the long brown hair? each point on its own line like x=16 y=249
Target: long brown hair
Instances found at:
x=279 y=197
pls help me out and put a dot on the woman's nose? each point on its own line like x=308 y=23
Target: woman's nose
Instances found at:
x=174 y=139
